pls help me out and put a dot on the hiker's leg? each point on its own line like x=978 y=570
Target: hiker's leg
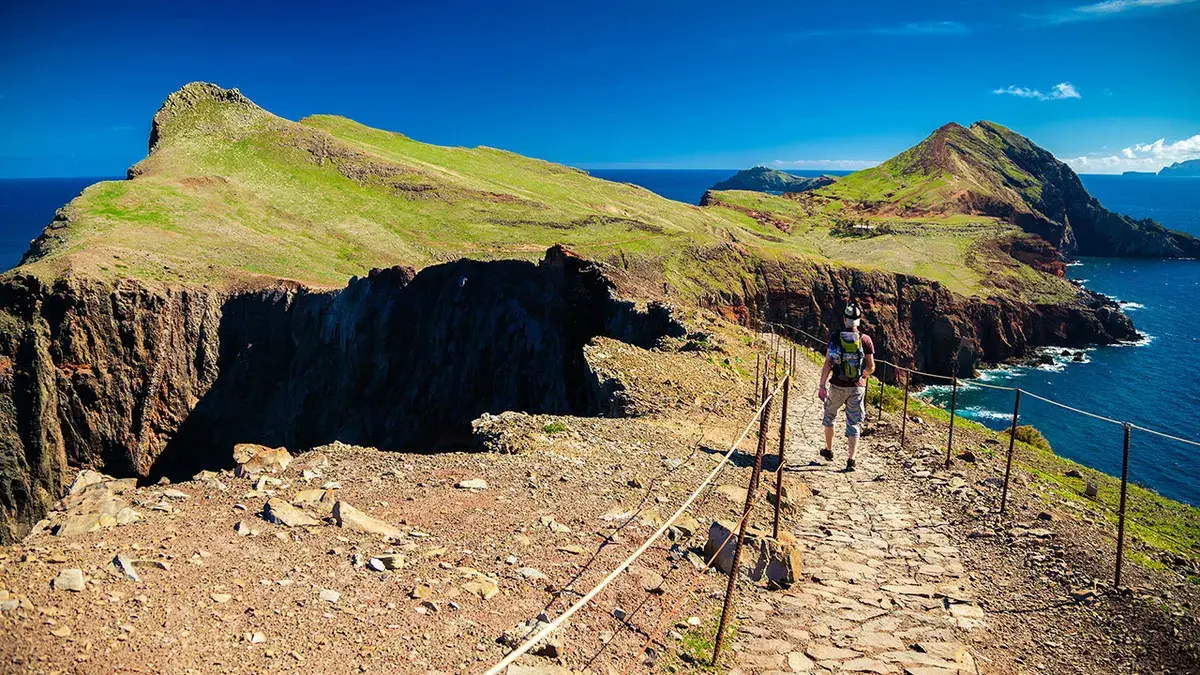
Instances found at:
x=829 y=415
x=833 y=402
x=855 y=412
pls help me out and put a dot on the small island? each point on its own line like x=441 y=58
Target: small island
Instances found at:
x=1185 y=169
x=764 y=179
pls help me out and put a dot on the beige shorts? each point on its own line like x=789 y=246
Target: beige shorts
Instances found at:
x=853 y=400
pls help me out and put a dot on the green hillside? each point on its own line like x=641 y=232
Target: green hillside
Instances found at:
x=934 y=176
x=231 y=194
x=230 y=191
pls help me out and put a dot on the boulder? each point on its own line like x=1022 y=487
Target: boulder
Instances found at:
x=86 y=478
x=254 y=459
x=483 y=588
x=310 y=461
x=69 y=580
x=550 y=647
x=351 y=518
x=777 y=561
x=280 y=512
x=685 y=526
x=123 y=565
x=390 y=561
x=76 y=525
x=308 y=496
x=648 y=579
x=794 y=494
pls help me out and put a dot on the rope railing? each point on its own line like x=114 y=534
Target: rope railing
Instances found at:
x=1127 y=428
x=765 y=395
x=1025 y=392
x=550 y=627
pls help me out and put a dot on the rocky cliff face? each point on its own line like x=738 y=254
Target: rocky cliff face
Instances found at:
x=915 y=322
x=989 y=170
x=1066 y=215
x=141 y=381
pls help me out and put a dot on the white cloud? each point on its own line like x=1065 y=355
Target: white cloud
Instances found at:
x=1118 y=6
x=1106 y=9
x=1062 y=90
x=835 y=164
x=1139 y=157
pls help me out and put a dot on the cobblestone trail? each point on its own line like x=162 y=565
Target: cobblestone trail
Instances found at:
x=883 y=591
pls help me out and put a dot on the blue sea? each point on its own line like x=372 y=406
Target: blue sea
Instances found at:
x=1152 y=384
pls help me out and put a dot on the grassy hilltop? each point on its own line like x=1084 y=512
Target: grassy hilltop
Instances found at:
x=231 y=194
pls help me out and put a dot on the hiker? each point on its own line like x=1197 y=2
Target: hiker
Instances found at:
x=850 y=359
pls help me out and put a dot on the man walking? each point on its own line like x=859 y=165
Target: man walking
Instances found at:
x=850 y=359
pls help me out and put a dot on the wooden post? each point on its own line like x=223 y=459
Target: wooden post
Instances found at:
x=1012 y=439
x=755 y=474
x=904 y=415
x=953 y=405
x=1121 y=521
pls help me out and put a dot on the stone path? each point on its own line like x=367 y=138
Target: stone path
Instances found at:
x=883 y=590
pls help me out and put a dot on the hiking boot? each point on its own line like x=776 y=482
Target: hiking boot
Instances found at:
x=850 y=465
x=827 y=454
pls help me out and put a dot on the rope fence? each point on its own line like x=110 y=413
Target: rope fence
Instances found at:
x=1127 y=428
x=761 y=416
x=773 y=375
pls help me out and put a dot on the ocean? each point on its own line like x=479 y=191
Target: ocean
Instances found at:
x=1151 y=384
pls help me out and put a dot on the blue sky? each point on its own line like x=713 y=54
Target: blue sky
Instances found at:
x=618 y=84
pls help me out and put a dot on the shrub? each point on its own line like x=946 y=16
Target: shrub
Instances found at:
x=554 y=428
x=1031 y=436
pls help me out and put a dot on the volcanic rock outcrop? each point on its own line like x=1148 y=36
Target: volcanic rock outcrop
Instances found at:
x=141 y=381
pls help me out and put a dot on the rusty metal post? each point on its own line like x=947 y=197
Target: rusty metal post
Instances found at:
x=904 y=415
x=737 y=551
x=866 y=406
x=783 y=411
x=953 y=405
x=879 y=408
x=1121 y=521
x=757 y=381
x=1012 y=439
x=774 y=357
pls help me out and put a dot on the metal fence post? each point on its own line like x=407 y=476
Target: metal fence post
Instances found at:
x=783 y=411
x=879 y=408
x=737 y=551
x=1121 y=521
x=757 y=380
x=904 y=415
x=866 y=404
x=953 y=405
x=1012 y=439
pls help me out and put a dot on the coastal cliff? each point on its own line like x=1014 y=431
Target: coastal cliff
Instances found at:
x=140 y=380
x=915 y=322
x=989 y=170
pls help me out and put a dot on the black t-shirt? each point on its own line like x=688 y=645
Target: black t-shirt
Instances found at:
x=834 y=342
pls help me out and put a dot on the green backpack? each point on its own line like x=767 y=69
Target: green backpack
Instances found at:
x=848 y=356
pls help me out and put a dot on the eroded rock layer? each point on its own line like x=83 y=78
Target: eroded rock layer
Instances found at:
x=144 y=381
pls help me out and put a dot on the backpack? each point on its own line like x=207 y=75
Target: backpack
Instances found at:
x=846 y=352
